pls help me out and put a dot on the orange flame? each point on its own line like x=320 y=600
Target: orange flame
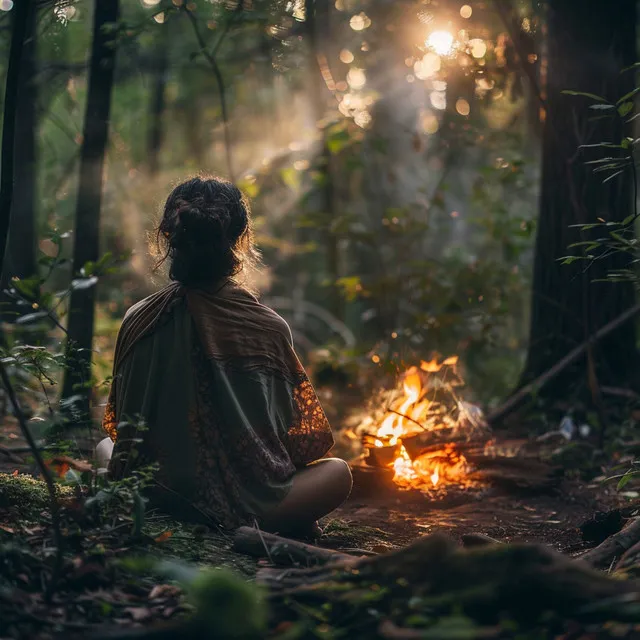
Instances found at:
x=413 y=413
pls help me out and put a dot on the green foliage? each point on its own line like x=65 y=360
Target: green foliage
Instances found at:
x=225 y=603
x=618 y=163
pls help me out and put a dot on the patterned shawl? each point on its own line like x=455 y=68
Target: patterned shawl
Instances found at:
x=228 y=410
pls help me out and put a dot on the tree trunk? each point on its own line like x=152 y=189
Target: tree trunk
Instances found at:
x=18 y=36
x=317 y=17
x=158 y=100
x=86 y=244
x=20 y=258
x=589 y=43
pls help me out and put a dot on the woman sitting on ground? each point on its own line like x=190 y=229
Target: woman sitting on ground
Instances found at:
x=208 y=385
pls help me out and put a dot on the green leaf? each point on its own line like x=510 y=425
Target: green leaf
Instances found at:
x=338 y=140
x=626 y=96
x=602 y=107
x=612 y=176
x=84 y=283
x=31 y=317
x=584 y=94
x=569 y=259
x=291 y=178
x=622 y=483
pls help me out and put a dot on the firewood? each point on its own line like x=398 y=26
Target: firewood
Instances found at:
x=428 y=442
x=515 y=474
x=605 y=555
x=282 y=551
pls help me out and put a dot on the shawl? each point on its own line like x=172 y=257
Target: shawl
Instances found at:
x=207 y=384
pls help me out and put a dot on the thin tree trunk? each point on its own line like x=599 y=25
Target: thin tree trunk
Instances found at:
x=86 y=246
x=19 y=31
x=589 y=43
x=20 y=258
x=318 y=32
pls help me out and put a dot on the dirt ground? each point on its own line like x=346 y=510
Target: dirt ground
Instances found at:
x=377 y=520
x=551 y=519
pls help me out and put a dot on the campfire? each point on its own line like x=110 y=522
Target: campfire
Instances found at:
x=424 y=428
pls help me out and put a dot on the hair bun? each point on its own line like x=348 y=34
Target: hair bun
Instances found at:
x=195 y=227
x=206 y=231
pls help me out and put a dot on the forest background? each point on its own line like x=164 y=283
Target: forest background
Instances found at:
x=400 y=157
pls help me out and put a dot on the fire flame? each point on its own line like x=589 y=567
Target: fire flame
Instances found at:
x=413 y=413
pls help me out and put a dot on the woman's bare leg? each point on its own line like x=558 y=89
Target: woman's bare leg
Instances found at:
x=317 y=490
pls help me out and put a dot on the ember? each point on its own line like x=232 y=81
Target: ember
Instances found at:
x=425 y=429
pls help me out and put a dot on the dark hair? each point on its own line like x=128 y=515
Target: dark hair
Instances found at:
x=205 y=231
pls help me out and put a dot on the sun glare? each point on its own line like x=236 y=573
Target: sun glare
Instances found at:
x=441 y=42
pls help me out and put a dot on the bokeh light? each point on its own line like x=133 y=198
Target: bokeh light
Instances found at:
x=466 y=11
x=463 y=107
x=356 y=78
x=478 y=47
x=438 y=100
x=6 y=5
x=150 y=3
x=346 y=56
x=441 y=42
x=429 y=122
x=360 y=21
x=428 y=66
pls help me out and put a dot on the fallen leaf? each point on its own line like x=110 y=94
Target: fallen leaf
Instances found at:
x=163 y=591
x=7 y=529
x=78 y=465
x=15 y=473
x=165 y=535
x=138 y=613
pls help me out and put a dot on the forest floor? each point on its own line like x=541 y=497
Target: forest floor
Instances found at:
x=374 y=520
x=394 y=517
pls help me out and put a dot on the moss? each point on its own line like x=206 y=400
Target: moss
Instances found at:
x=341 y=534
x=25 y=496
x=199 y=545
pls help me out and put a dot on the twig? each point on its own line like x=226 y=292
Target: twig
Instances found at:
x=55 y=511
x=621 y=393
x=236 y=15
x=561 y=365
x=402 y=415
x=220 y=82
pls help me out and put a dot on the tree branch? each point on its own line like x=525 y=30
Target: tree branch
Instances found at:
x=220 y=82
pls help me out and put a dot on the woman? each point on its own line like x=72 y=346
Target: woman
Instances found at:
x=207 y=384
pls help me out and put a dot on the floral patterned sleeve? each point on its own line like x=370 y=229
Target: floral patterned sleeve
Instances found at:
x=310 y=436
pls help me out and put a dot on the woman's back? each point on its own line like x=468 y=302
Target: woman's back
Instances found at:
x=226 y=408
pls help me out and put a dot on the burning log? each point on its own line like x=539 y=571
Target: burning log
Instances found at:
x=424 y=431
x=431 y=441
